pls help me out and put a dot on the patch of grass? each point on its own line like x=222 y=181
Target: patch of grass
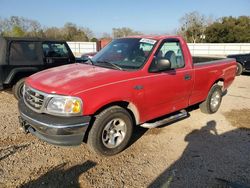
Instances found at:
x=239 y=118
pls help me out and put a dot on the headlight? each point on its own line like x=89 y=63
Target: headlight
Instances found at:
x=60 y=105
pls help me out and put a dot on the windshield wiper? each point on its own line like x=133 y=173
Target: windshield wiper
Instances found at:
x=91 y=61
x=109 y=63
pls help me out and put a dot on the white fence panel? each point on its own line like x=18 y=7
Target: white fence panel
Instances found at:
x=196 y=49
x=79 y=48
x=218 y=49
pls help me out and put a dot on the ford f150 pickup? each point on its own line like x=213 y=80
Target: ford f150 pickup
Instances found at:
x=142 y=80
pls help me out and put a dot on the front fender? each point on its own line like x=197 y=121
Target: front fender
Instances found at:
x=16 y=71
x=96 y=99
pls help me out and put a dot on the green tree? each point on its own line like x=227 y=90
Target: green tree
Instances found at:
x=229 y=30
x=17 y=31
x=18 y=27
x=94 y=40
x=53 y=33
x=193 y=26
x=124 y=32
x=72 y=32
x=88 y=32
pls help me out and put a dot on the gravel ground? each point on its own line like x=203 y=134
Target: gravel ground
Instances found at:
x=199 y=151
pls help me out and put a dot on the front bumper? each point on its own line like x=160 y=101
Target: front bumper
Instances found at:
x=64 y=131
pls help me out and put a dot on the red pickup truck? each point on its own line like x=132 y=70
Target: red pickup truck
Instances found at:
x=132 y=81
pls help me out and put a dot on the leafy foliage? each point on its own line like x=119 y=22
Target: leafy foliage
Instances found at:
x=198 y=28
x=21 y=27
x=229 y=29
x=124 y=32
x=18 y=27
x=193 y=26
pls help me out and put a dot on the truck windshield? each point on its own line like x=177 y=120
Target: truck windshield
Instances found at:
x=125 y=53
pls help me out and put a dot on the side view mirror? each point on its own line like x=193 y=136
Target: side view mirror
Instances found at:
x=85 y=58
x=160 y=64
x=82 y=59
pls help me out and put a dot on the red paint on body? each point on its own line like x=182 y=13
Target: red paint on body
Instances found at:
x=161 y=93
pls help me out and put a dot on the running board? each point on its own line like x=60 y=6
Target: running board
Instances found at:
x=180 y=115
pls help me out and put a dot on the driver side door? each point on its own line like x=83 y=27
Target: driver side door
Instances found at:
x=168 y=91
x=55 y=54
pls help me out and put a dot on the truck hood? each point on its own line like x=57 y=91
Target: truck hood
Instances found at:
x=75 y=78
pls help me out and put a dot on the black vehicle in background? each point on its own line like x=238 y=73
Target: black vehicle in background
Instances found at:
x=21 y=57
x=243 y=62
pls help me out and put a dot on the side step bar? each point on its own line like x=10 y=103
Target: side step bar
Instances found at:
x=180 y=115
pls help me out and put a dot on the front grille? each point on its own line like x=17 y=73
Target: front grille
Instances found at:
x=33 y=98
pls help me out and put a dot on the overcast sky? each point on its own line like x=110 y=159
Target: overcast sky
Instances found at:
x=148 y=16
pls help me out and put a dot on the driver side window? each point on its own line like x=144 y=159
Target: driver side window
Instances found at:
x=172 y=52
x=52 y=49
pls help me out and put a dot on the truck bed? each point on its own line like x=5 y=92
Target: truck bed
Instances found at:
x=200 y=59
x=215 y=69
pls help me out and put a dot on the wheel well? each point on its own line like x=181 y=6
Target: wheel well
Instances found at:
x=130 y=107
x=19 y=76
x=124 y=104
x=220 y=82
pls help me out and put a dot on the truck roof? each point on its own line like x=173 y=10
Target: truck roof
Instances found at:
x=29 y=39
x=155 y=37
x=5 y=47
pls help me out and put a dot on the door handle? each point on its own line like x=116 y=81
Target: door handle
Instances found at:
x=187 y=77
x=138 y=87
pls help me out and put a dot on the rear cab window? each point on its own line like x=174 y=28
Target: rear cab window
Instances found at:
x=23 y=53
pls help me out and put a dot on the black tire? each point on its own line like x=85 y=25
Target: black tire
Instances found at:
x=98 y=131
x=18 y=89
x=211 y=105
x=239 y=69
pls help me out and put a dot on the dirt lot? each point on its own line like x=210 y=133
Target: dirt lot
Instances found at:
x=200 y=151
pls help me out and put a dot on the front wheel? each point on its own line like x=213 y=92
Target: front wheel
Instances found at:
x=111 y=131
x=18 y=89
x=213 y=100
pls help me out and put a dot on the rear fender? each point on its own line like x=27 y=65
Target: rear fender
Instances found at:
x=220 y=82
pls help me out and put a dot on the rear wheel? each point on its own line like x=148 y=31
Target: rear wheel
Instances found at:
x=111 y=131
x=213 y=100
x=18 y=89
x=239 y=69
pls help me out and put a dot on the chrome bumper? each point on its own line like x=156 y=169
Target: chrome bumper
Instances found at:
x=66 y=131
